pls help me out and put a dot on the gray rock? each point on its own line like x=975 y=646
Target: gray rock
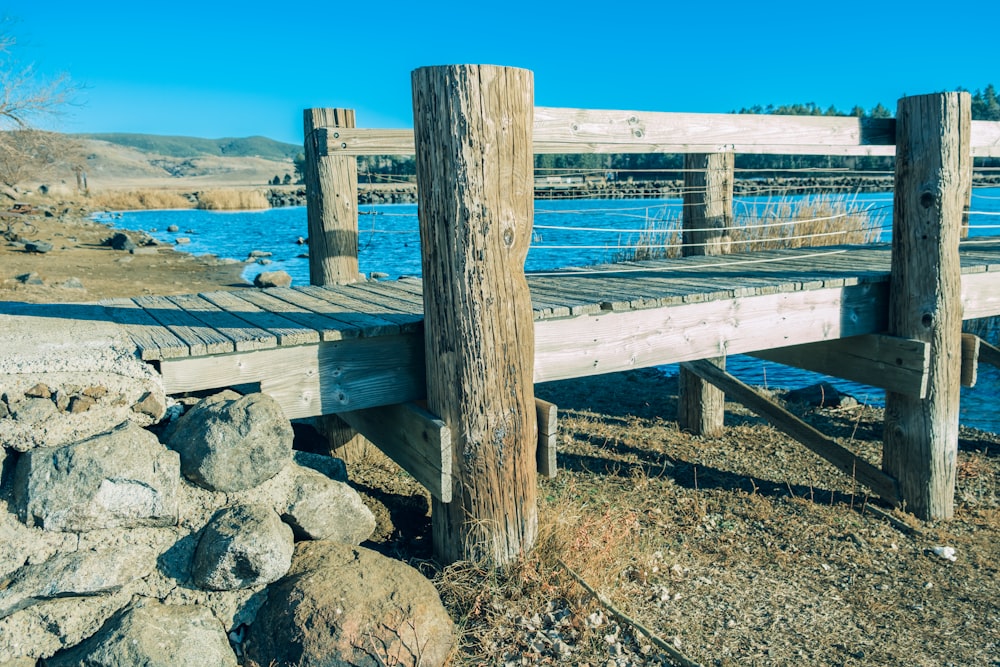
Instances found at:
x=232 y=444
x=71 y=283
x=182 y=240
x=43 y=629
x=320 y=508
x=120 y=242
x=822 y=394
x=242 y=546
x=344 y=605
x=330 y=466
x=40 y=247
x=30 y=279
x=81 y=573
x=272 y=279
x=154 y=635
x=122 y=478
x=173 y=228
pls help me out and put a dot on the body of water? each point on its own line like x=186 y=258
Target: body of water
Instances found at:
x=566 y=233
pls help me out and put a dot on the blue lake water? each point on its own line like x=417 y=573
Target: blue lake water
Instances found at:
x=566 y=233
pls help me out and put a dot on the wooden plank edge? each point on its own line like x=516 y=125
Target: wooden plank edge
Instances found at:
x=989 y=354
x=900 y=365
x=412 y=437
x=840 y=457
x=970 y=359
x=548 y=427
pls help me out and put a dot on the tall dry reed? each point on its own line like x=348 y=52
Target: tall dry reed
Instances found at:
x=232 y=200
x=133 y=200
x=813 y=221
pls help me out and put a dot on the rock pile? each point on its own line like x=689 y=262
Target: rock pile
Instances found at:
x=212 y=542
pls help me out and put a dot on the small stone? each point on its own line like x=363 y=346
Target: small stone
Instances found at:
x=95 y=391
x=79 y=404
x=30 y=279
x=40 y=390
x=120 y=242
x=242 y=546
x=272 y=279
x=182 y=240
x=150 y=404
x=40 y=247
x=173 y=228
x=72 y=283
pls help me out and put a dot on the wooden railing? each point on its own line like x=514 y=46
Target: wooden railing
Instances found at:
x=476 y=131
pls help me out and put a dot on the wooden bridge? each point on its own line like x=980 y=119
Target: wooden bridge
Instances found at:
x=439 y=372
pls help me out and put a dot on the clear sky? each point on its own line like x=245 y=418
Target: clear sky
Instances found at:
x=227 y=69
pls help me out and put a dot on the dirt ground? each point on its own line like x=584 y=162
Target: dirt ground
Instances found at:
x=80 y=268
x=742 y=549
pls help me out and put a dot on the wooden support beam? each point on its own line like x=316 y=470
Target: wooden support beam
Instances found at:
x=548 y=436
x=560 y=130
x=989 y=354
x=933 y=172
x=707 y=219
x=331 y=201
x=619 y=341
x=970 y=359
x=412 y=437
x=891 y=363
x=843 y=459
x=472 y=131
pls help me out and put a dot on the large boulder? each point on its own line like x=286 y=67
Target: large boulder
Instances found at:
x=320 y=508
x=154 y=635
x=344 y=605
x=242 y=546
x=230 y=442
x=122 y=478
x=80 y=573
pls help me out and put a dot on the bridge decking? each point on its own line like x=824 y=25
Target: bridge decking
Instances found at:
x=332 y=349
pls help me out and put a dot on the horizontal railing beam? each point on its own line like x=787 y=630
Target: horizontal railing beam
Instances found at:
x=566 y=131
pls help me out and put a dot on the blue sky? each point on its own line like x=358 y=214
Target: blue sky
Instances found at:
x=222 y=69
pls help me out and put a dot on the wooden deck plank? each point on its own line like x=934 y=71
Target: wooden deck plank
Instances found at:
x=343 y=297
x=367 y=323
x=154 y=341
x=284 y=330
x=328 y=329
x=200 y=338
x=244 y=335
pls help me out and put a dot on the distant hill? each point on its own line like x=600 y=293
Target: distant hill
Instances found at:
x=188 y=147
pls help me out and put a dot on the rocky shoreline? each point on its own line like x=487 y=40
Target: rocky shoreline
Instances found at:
x=777 y=186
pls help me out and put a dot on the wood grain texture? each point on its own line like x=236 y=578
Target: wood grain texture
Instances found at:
x=562 y=130
x=933 y=171
x=474 y=173
x=331 y=201
x=843 y=459
x=891 y=363
x=970 y=360
x=548 y=437
x=412 y=437
x=706 y=219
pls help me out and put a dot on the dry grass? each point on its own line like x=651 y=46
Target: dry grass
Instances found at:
x=812 y=221
x=740 y=549
x=135 y=200
x=232 y=200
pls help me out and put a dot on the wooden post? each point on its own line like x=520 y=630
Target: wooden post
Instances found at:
x=933 y=172
x=331 y=203
x=332 y=213
x=707 y=217
x=473 y=135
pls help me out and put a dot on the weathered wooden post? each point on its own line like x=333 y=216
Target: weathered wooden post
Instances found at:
x=707 y=217
x=331 y=203
x=933 y=172
x=332 y=212
x=473 y=135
